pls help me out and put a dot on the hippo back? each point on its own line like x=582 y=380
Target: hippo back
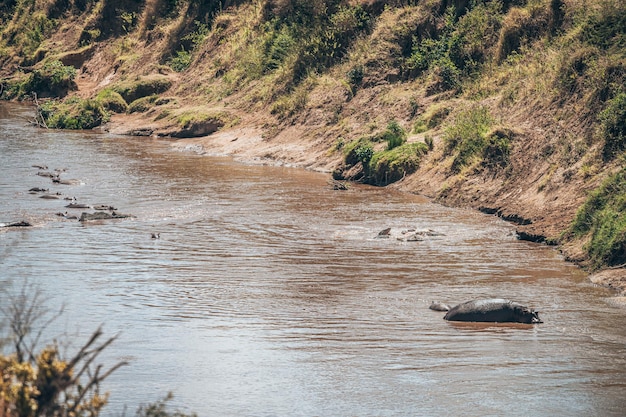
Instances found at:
x=492 y=310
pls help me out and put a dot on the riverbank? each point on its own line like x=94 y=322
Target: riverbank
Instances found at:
x=516 y=109
x=248 y=143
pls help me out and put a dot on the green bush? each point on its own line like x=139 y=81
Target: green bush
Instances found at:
x=466 y=136
x=603 y=216
x=189 y=43
x=360 y=150
x=355 y=76
x=74 y=113
x=142 y=104
x=394 y=135
x=112 y=101
x=53 y=79
x=605 y=26
x=278 y=46
x=392 y=165
x=142 y=87
x=458 y=49
x=327 y=42
x=181 y=61
x=497 y=149
x=613 y=126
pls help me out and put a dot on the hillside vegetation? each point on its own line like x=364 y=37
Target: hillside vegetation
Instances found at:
x=514 y=107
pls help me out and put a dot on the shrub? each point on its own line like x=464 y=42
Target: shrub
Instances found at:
x=189 y=43
x=277 y=47
x=355 y=76
x=142 y=104
x=327 y=42
x=112 y=101
x=466 y=136
x=497 y=149
x=392 y=165
x=603 y=217
x=53 y=79
x=181 y=61
x=142 y=87
x=360 y=150
x=435 y=52
x=394 y=135
x=605 y=27
x=613 y=126
x=74 y=113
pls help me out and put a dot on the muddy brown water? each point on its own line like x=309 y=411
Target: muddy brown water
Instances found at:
x=268 y=294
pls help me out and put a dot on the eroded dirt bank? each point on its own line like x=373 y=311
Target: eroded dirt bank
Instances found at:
x=537 y=216
x=515 y=108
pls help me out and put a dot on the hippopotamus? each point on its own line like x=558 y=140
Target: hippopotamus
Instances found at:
x=437 y=306
x=100 y=215
x=493 y=310
x=78 y=206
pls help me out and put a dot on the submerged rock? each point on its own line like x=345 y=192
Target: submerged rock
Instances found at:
x=22 y=223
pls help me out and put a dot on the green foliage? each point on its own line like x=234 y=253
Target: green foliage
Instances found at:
x=189 y=43
x=460 y=47
x=394 y=135
x=355 y=76
x=128 y=21
x=360 y=150
x=142 y=87
x=181 y=61
x=112 y=101
x=431 y=52
x=30 y=29
x=277 y=46
x=142 y=105
x=605 y=27
x=603 y=219
x=497 y=149
x=392 y=165
x=613 y=126
x=52 y=79
x=466 y=136
x=36 y=381
x=329 y=41
x=74 y=113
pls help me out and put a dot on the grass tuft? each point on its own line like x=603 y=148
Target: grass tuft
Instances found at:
x=602 y=219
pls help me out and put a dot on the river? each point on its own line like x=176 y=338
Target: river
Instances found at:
x=269 y=294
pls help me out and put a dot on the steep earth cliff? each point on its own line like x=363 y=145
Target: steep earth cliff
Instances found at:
x=513 y=107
